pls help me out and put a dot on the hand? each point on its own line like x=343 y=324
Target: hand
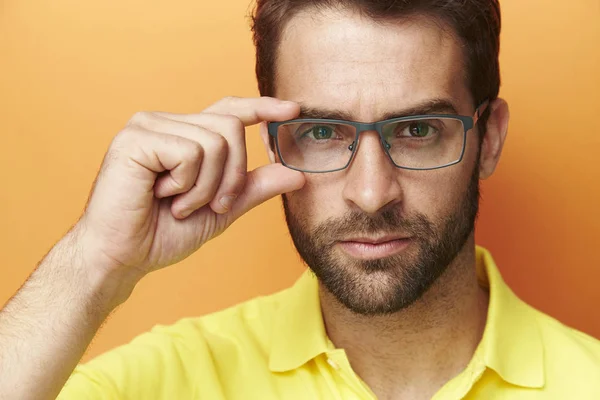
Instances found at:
x=169 y=183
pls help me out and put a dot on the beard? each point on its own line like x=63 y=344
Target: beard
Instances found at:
x=385 y=285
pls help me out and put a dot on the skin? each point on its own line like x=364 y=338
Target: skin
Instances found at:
x=341 y=62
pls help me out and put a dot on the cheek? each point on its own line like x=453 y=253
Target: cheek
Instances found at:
x=439 y=193
x=319 y=199
x=435 y=194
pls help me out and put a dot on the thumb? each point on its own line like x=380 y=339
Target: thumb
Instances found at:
x=264 y=183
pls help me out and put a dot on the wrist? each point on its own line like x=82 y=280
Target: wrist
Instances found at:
x=107 y=287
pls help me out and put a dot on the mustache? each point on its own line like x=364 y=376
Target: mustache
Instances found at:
x=389 y=221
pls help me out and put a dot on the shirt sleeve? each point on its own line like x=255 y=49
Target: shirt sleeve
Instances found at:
x=165 y=363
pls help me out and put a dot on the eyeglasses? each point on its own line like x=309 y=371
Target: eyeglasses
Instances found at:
x=419 y=142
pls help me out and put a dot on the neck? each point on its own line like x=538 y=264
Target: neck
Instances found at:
x=413 y=352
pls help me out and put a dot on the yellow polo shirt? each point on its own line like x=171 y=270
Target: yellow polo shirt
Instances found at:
x=276 y=347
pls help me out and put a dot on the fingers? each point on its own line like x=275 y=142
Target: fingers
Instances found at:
x=235 y=169
x=249 y=111
x=236 y=165
x=265 y=183
x=157 y=153
x=228 y=117
x=209 y=177
x=225 y=158
x=219 y=155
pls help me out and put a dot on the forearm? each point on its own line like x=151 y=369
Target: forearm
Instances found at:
x=47 y=326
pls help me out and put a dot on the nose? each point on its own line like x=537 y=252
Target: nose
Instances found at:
x=372 y=180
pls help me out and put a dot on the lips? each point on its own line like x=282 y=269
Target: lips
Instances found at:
x=370 y=248
x=378 y=240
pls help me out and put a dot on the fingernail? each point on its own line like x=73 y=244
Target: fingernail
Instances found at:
x=227 y=201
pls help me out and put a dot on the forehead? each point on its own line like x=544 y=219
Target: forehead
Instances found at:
x=338 y=59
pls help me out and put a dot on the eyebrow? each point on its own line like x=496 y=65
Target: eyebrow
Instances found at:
x=433 y=106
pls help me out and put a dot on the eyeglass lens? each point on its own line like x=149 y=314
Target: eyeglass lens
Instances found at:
x=417 y=143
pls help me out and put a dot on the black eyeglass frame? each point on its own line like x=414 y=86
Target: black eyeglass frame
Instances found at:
x=467 y=122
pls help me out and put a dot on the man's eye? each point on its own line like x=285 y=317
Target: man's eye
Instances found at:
x=319 y=132
x=418 y=129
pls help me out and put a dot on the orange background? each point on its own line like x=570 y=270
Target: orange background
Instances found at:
x=73 y=72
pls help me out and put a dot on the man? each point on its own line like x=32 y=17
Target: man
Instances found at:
x=403 y=306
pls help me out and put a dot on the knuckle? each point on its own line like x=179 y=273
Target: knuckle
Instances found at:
x=196 y=131
x=139 y=117
x=234 y=124
x=121 y=144
x=195 y=150
x=125 y=137
x=218 y=144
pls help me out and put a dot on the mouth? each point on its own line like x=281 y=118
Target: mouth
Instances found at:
x=370 y=248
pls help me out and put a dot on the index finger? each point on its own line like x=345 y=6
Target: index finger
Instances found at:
x=249 y=110
x=252 y=110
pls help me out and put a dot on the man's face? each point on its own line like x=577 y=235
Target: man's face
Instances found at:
x=377 y=236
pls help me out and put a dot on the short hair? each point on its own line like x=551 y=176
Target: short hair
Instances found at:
x=476 y=22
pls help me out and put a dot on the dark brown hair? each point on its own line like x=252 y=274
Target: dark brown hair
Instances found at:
x=475 y=22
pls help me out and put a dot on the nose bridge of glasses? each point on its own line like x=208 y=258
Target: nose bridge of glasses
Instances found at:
x=362 y=127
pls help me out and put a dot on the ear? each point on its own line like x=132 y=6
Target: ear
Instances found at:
x=493 y=141
x=264 y=134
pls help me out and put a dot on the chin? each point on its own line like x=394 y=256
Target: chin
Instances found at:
x=371 y=288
